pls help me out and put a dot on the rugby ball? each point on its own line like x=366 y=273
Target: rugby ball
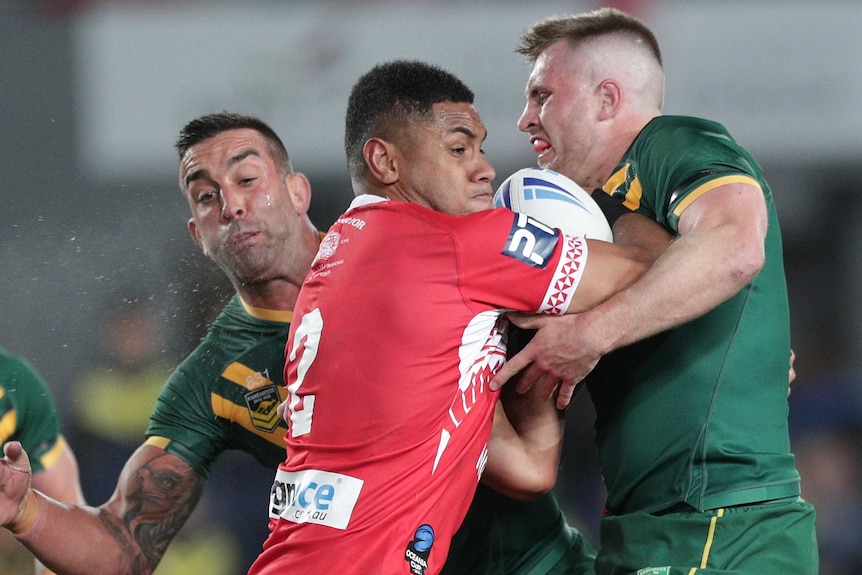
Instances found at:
x=554 y=200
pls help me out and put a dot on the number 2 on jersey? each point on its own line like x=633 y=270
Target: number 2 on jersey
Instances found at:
x=307 y=336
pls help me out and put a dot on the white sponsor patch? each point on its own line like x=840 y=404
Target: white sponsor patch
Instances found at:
x=313 y=496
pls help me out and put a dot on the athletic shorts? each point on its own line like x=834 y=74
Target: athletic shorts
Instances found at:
x=576 y=557
x=771 y=538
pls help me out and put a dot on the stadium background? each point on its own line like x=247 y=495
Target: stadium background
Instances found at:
x=93 y=93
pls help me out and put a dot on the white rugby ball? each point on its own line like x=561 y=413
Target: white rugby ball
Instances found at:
x=554 y=200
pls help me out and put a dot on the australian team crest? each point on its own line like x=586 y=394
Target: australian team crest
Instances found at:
x=263 y=407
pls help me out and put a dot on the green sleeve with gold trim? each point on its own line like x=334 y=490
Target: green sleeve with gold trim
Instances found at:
x=225 y=394
x=675 y=160
x=27 y=411
x=698 y=413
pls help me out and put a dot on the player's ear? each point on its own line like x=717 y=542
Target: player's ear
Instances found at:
x=193 y=230
x=610 y=93
x=299 y=190
x=380 y=157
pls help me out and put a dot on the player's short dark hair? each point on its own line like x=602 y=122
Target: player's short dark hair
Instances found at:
x=206 y=127
x=577 y=28
x=391 y=95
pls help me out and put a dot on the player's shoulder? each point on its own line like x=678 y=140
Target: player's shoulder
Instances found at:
x=12 y=364
x=675 y=128
x=406 y=210
x=237 y=337
x=19 y=374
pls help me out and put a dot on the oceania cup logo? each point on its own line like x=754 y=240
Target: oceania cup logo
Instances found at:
x=530 y=241
x=313 y=496
x=418 y=550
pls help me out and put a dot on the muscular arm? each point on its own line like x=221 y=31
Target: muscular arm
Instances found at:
x=719 y=250
x=527 y=436
x=526 y=442
x=608 y=269
x=155 y=495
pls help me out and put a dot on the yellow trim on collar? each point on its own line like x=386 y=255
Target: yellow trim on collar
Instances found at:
x=283 y=316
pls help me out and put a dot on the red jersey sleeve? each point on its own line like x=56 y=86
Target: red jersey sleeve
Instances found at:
x=511 y=261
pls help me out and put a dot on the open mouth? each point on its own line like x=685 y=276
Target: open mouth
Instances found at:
x=540 y=145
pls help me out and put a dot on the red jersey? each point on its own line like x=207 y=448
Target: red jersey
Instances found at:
x=397 y=331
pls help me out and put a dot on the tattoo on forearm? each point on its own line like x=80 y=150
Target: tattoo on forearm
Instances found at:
x=161 y=496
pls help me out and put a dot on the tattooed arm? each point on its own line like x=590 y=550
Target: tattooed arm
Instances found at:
x=155 y=495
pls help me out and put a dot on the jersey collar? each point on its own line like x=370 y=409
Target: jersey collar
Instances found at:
x=283 y=316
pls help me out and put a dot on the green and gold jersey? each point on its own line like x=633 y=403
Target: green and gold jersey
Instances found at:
x=27 y=412
x=224 y=395
x=697 y=414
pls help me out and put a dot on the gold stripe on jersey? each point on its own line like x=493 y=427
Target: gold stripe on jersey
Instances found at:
x=260 y=405
x=158 y=441
x=7 y=425
x=245 y=376
x=240 y=415
x=620 y=180
x=9 y=421
x=52 y=455
x=711 y=185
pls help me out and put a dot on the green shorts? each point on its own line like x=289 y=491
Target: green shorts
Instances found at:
x=501 y=536
x=577 y=557
x=774 y=538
